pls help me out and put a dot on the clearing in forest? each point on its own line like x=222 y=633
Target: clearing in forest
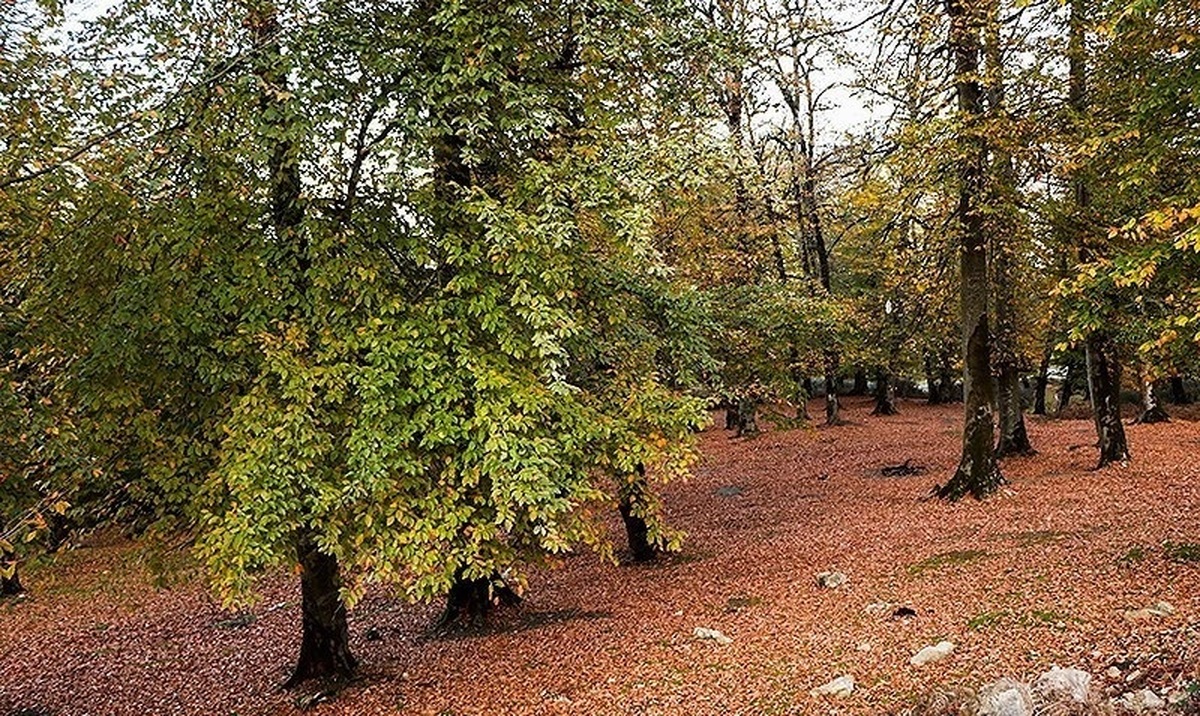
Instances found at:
x=1064 y=566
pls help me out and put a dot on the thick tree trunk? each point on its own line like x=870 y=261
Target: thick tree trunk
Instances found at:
x=1104 y=387
x=325 y=637
x=1152 y=410
x=1039 y=390
x=885 y=394
x=11 y=586
x=978 y=473
x=1179 y=394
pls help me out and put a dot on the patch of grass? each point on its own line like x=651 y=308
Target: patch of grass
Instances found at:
x=987 y=619
x=1133 y=555
x=1038 y=617
x=946 y=559
x=1037 y=537
x=1182 y=551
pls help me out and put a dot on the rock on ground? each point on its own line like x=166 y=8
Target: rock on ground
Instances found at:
x=1005 y=697
x=711 y=635
x=839 y=687
x=832 y=580
x=930 y=654
x=1058 y=683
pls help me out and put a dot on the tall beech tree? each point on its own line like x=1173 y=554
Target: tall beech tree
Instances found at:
x=978 y=473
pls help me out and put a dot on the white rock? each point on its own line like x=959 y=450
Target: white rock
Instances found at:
x=877 y=608
x=711 y=635
x=863 y=646
x=930 y=654
x=1005 y=697
x=1072 y=683
x=839 y=687
x=832 y=580
x=1113 y=673
x=1142 y=701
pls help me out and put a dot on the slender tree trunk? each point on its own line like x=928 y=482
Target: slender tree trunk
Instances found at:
x=325 y=642
x=1179 y=394
x=10 y=584
x=636 y=528
x=1043 y=380
x=1152 y=410
x=1103 y=364
x=885 y=394
x=978 y=473
x=1014 y=439
x=946 y=380
x=833 y=406
x=933 y=391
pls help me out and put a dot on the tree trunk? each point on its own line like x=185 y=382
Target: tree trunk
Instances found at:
x=469 y=601
x=946 y=380
x=978 y=473
x=885 y=394
x=933 y=392
x=325 y=641
x=747 y=417
x=1179 y=394
x=1104 y=387
x=1043 y=380
x=833 y=407
x=10 y=583
x=731 y=416
x=1014 y=439
x=1066 y=390
x=1103 y=365
x=861 y=386
x=638 y=533
x=1152 y=410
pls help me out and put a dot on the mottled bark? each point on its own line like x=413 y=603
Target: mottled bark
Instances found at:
x=1152 y=410
x=978 y=473
x=833 y=406
x=1104 y=387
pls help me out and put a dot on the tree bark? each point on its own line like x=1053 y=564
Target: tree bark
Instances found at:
x=861 y=384
x=885 y=394
x=978 y=473
x=1039 y=390
x=933 y=392
x=1103 y=365
x=1152 y=410
x=833 y=406
x=9 y=585
x=325 y=641
x=636 y=528
x=747 y=417
x=1066 y=390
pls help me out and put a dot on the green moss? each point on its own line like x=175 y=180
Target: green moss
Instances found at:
x=946 y=559
x=1182 y=551
x=987 y=619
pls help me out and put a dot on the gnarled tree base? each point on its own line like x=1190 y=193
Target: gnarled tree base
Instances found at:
x=1153 y=415
x=471 y=601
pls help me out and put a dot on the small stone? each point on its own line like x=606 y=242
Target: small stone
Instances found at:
x=1133 y=676
x=1140 y=615
x=863 y=646
x=1005 y=697
x=1113 y=673
x=1072 y=683
x=711 y=635
x=832 y=580
x=1142 y=701
x=930 y=654
x=840 y=687
x=877 y=608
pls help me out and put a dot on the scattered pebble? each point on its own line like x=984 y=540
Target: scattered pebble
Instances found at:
x=931 y=654
x=840 y=687
x=832 y=580
x=711 y=635
x=1071 y=683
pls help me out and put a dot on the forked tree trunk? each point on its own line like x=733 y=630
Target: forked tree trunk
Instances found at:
x=325 y=640
x=978 y=473
x=1039 y=390
x=1152 y=410
x=885 y=394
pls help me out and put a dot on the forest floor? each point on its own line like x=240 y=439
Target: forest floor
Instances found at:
x=1053 y=570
